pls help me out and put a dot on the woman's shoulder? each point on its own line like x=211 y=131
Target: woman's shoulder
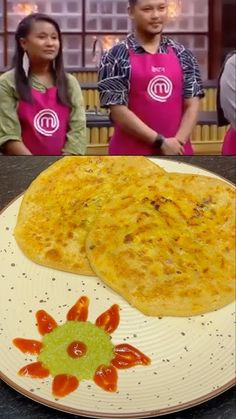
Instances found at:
x=8 y=78
x=73 y=84
x=72 y=80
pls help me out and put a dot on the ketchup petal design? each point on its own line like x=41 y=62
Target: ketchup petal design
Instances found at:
x=106 y=377
x=28 y=346
x=63 y=385
x=46 y=323
x=79 y=311
x=79 y=349
x=127 y=357
x=109 y=320
x=34 y=370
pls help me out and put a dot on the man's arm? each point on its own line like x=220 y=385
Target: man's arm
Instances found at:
x=193 y=91
x=189 y=119
x=15 y=148
x=228 y=90
x=134 y=126
x=131 y=124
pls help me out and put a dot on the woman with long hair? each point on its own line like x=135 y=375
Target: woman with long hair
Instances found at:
x=41 y=107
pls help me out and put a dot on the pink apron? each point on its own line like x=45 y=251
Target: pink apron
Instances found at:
x=44 y=123
x=229 y=146
x=156 y=97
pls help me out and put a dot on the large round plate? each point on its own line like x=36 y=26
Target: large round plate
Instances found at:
x=192 y=358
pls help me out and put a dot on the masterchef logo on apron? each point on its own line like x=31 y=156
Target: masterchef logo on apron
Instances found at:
x=46 y=122
x=160 y=88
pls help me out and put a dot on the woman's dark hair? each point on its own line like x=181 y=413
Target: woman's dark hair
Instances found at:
x=22 y=82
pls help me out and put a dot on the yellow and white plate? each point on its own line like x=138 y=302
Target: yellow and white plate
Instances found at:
x=193 y=359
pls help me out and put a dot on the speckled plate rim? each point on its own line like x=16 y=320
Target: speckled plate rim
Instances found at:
x=147 y=414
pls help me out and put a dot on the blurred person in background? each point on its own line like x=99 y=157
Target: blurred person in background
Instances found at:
x=226 y=103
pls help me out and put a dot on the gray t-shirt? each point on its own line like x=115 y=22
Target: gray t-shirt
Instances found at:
x=228 y=90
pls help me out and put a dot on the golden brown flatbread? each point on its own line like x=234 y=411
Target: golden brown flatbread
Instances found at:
x=168 y=246
x=62 y=202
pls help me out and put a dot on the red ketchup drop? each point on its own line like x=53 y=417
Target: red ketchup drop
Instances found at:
x=34 y=370
x=106 y=378
x=46 y=323
x=109 y=320
x=64 y=384
x=76 y=349
x=127 y=356
x=79 y=311
x=28 y=346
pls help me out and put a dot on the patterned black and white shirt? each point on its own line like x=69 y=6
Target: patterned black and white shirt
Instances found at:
x=115 y=71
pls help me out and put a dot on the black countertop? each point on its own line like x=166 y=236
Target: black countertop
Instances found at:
x=16 y=173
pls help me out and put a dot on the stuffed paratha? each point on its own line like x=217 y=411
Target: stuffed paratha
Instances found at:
x=62 y=202
x=168 y=247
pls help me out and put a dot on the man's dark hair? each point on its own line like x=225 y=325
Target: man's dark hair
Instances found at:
x=132 y=2
x=22 y=82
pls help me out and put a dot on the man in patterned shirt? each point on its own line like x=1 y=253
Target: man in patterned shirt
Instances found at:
x=152 y=86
